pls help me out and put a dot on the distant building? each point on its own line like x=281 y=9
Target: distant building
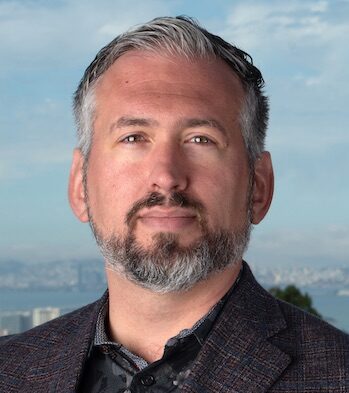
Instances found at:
x=4 y=332
x=42 y=315
x=15 y=321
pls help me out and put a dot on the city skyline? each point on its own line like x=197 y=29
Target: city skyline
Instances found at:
x=301 y=50
x=41 y=291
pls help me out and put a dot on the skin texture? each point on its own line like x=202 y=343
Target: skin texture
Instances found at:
x=167 y=124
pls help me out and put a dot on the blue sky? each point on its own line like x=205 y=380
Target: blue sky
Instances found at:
x=301 y=48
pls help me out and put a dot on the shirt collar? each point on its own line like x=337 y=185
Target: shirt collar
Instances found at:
x=199 y=330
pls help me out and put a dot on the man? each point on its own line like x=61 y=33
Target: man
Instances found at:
x=171 y=172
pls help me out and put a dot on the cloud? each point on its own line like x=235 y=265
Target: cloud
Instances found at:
x=42 y=34
x=23 y=161
x=266 y=23
x=319 y=6
x=46 y=252
x=311 y=34
x=36 y=134
x=322 y=246
x=301 y=49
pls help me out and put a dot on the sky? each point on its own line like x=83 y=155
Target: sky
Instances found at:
x=301 y=48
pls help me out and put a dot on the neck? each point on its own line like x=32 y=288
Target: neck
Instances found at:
x=143 y=321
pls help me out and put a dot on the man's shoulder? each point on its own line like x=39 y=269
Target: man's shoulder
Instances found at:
x=63 y=333
x=51 y=331
x=302 y=326
x=57 y=348
x=291 y=329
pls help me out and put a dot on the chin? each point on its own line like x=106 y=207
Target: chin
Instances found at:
x=179 y=239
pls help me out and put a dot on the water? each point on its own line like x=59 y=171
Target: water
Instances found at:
x=335 y=309
x=27 y=300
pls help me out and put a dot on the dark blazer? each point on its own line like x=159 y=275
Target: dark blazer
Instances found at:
x=258 y=344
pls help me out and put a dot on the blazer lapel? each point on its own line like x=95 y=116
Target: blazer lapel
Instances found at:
x=237 y=356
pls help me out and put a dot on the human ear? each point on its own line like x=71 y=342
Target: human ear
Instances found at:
x=263 y=187
x=76 y=189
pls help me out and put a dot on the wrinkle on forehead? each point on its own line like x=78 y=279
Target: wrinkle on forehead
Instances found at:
x=129 y=71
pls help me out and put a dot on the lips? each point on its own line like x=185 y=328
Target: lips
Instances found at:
x=165 y=213
x=167 y=219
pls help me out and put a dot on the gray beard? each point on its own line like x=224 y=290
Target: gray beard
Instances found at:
x=167 y=266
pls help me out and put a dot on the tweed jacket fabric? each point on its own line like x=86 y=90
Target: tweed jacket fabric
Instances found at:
x=258 y=344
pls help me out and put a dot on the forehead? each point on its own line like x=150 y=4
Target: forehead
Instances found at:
x=140 y=77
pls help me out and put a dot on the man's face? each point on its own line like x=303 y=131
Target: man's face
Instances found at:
x=162 y=125
x=168 y=164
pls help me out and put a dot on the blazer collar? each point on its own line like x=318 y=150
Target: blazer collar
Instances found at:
x=237 y=356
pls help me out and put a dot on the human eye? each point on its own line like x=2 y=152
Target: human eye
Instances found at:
x=200 y=139
x=133 y=138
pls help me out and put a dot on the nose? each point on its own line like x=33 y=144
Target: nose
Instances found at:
x=168 y=171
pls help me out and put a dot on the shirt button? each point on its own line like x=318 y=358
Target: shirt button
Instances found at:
x=147 y=380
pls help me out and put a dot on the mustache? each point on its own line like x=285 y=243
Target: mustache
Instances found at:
x=179 y=199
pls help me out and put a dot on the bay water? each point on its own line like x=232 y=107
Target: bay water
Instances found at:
x=334 y=309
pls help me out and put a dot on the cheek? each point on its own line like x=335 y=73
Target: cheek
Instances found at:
x=224 y=193
x=112 y=191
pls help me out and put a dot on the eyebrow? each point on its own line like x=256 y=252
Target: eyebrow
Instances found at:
x=129 y=121
x=210 y=123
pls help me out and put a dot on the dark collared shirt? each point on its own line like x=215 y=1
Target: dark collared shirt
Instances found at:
x=112 y=368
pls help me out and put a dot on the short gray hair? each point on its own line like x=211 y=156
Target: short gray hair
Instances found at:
x=181 y=36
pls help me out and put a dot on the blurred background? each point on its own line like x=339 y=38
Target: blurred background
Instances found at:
x=49 y=259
